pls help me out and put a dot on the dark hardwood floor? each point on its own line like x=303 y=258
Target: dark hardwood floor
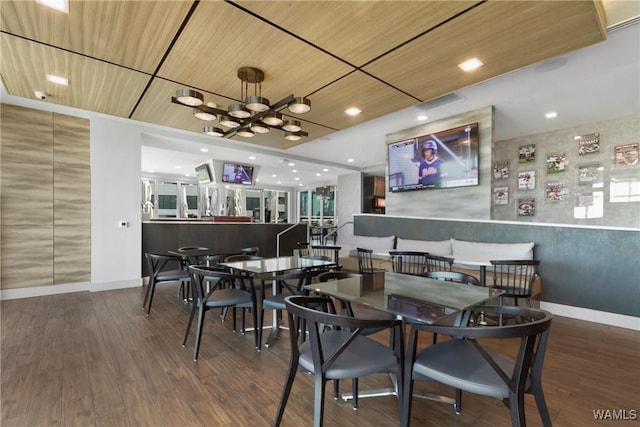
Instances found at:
x=95 y=359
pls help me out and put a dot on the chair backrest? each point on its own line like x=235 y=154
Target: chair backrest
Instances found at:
x=220 y=277
x=365 y=260
x=439 y=263
x=241 y=257
x=159 y=262
x=453 y=276
x=409 y=262
x=303 y=248
x=192 y=248
x=250 y=251
x=336 y=275
x=330 y=251
x=515 y=277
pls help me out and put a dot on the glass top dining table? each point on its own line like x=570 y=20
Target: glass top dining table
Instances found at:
x=277 y=264
x=412 y=297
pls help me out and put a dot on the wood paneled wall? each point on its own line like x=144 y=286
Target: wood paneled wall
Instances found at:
x=45 y=188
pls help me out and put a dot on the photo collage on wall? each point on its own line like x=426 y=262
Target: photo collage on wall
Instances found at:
x=582 y=186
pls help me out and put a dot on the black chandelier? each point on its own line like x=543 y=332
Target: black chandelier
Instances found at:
x=253 y=116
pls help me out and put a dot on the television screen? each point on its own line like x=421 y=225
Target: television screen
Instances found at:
x=237 y=174
x=444 y=159
x=204 y=173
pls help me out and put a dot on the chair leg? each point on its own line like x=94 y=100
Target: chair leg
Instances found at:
x=186 y=333
x=458 y=405
x=260 y=327
x=150 y=291
x=516 y=406
x=354 y=391
x=233 y=313
x=199 y=331
x=291 y=375
x=536 y=390
x=318 y=405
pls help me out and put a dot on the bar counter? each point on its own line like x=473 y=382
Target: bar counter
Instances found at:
x=160 y=236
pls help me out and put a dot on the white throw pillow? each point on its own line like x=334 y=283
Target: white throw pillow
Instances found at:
x=380 y=245
x=442 y=247
x=462 y=249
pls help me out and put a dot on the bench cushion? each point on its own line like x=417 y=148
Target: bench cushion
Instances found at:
x=442 y=247
x=380 y=245
x=462 y=249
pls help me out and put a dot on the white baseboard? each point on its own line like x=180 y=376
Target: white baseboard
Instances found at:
x=38 y=291
x=604 y=317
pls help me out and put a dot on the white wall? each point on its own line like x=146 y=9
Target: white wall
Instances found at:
x=115 y=197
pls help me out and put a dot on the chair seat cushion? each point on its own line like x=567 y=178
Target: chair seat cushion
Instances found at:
x=171 y=275
x=275 y=302
x=363 y=357
x=459 y=364
x=228 y=297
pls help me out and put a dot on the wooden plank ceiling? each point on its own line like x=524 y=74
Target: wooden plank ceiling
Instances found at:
x=127 y=58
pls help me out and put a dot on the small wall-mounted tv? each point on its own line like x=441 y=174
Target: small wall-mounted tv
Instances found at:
x=204 y=173
x=234 y=173
x=443 y=159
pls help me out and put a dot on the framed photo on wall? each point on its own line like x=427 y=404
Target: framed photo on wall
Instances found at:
x=527 y=153
x=527 y=180
x=556 y=162
x=625 y=155
x=588 y=144
x=526 y=206
x=555 y=192
x=501 y=195
x=591 y=175
x=501 y=170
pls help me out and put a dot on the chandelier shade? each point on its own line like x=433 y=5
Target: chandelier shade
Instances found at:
x=189 y=97
x=254 y=115
x=213 y=131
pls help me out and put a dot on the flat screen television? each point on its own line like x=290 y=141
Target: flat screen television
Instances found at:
x=234 y=173
x=204 y=173
x=444 y=159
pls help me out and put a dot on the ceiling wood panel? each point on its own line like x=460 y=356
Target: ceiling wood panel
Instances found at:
x=219 y=39
x=93 y=85
x=357 y=31
x=544 y=29
x=134 y=34
x=358 y=89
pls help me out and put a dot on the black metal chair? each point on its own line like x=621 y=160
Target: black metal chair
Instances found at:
x=159 y=272
x=409 y=262
x=335 y=349
x=227 y=290
x=331 y=252
x=466 y=364
x=303 y=249
x=516 y=278
x=439 y=263
x=453 y=276
x=365 y=262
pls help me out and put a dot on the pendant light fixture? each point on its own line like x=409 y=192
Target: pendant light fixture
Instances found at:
x=253 y=116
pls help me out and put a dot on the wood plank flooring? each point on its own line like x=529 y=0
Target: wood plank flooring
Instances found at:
x=94 y=359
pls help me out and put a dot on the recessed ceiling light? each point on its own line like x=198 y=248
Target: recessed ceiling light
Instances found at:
x=152 y=171
x=278 y=182
x=274 y=175
x=61 y=5
x=551 y=115
x=300 y=185
x=325 y=170
x=318 y=174
x=204 y=150
x=252 y=157
x=178 y=167
x=353 y=111
x=186 y=174
x=294 y=170
x=296 y=178
x=291 y=164
x=470 y=64
x=350 y=160
x=422 y=117
x=58 y=80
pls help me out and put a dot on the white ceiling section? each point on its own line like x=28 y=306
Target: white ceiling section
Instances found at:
x=127 y=58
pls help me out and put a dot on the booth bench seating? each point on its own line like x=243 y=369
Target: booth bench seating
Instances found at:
x=457 y=249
